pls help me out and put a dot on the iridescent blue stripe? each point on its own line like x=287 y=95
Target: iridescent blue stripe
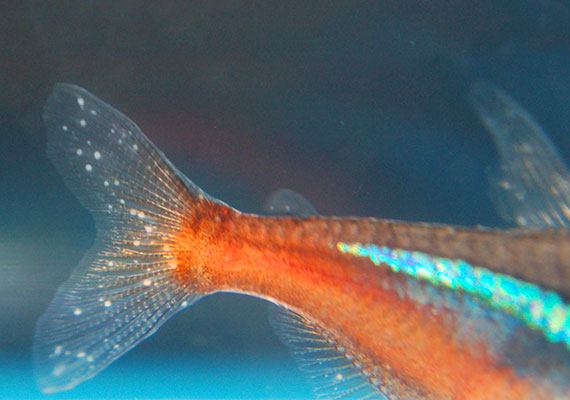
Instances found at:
x=538 y=308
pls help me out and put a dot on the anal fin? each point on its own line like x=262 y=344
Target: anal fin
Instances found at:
x=329 y=367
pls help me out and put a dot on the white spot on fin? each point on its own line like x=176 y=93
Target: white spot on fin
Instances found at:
x=58 y=369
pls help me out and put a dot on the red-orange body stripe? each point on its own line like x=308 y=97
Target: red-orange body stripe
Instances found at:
x=295 y=263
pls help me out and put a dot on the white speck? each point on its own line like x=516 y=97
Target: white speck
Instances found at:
x=57 y=350
x=97 y=155
x=79 y=152
x=526 y=148
x=107 y=303
x=81 y=354
x=505 y=184
x=81 y=102
x=148 y=228
x=132 y=211
x=88 y=167
x=115 y=346
x=78 y=311
x=121 y=201
x=58 y=369
x=110 y=263
x=93 y=112
x=64 y=127
x=110 y=206
x=147 y=282
x=135 y=147
x=184 y=304
x=89 y=142
x=137 y=243
x=116 y=182
x=82 y=123
x=90 y=358
x=120 y=141
x=112 y=131
x=338 y=376
x=106 y=183
x=140 y=214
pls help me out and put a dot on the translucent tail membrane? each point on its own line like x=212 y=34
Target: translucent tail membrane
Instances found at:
x=124 y=287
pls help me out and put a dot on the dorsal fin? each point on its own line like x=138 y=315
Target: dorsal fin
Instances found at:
x=531 y=185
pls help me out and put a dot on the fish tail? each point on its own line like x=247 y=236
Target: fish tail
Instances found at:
x=125 y=287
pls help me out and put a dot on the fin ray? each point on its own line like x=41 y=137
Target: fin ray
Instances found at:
x=330 y=371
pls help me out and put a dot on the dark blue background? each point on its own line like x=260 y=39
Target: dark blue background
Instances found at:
x=361 y=107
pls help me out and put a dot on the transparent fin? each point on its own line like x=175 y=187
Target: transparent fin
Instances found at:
x=331 y=372
x=288 y=202
x=531 y=186
x=124 y=288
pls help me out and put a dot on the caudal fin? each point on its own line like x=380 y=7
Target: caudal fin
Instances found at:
x=124 y=287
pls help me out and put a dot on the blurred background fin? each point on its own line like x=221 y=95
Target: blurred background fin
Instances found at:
x=531 y=185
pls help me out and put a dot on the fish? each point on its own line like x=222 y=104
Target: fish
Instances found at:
x=370 y=308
